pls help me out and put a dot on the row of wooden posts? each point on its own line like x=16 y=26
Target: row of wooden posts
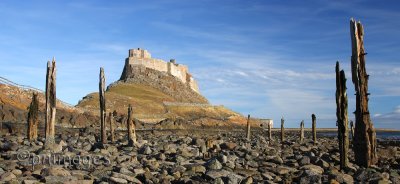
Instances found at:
x=364 y=136
x=363 y=133
x=50 y=111
x=282 y=137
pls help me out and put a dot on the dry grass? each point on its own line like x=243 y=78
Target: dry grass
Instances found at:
x=148 y=104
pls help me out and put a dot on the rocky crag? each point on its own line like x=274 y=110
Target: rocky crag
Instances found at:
x=159 y=90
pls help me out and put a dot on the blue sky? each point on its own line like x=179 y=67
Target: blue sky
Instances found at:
x=264 y=58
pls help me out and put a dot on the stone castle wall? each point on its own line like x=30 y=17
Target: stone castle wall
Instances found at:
x=143 y=57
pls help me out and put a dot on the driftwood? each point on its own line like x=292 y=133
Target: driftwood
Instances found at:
x=314 y=127
x=341 y=114
x=102 y=101
x=131 y=127
x=50 y=102
x=364 y=142
x=33 y=118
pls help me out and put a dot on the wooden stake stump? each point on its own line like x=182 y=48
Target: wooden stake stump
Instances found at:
x=270 y=131
x=111 y=121
x=341 y=114
x=248 y=133
x=131 y=128
x=364 y=142
x=282 y=130
x=102 y=101
x=302 y=131
x=50 y=102
x=314 y=127
x=33 y=118
x=352 y=129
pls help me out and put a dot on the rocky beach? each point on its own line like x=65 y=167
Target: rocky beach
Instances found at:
x=210 y=105
x=188 y=156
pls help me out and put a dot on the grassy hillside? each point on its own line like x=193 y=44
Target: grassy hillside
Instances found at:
x=148 y=105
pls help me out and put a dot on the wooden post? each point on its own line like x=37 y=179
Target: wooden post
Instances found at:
x=102 y=101
x=270 y=131
x=33 y=118
x=302 y=131
x=282 y=130
x=341 y=114
x=248 y=128
x=50 y=102
x=352 y=129
x=131 y=127
x=364 y=143
x=314 y=127
x=111 y=120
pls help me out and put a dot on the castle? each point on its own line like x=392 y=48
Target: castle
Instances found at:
x=143 y=57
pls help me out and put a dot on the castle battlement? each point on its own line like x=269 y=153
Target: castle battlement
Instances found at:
x=143 y=57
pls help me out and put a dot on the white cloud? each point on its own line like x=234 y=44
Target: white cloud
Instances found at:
x=388 y=119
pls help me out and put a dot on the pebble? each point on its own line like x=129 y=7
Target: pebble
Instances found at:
x=193 y=158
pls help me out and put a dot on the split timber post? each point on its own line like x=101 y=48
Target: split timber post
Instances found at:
x=364 y=142
x=282 y=130
x=131 y=127
x=341 y=114
x=302 y=131
x=111 y=121
x=102 y=101
x=51 y=99
x=352 y=129
x=314 y=127
x=33 y=118
x=248 y=134
x=270 y=131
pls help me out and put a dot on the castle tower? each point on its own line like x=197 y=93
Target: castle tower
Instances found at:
x=139 y=53
x=141 y=57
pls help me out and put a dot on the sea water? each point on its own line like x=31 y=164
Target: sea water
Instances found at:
x=379 y=135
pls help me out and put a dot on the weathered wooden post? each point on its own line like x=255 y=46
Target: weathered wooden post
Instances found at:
x=270 y=131
x=102 y=101
x=352 y=129
x=111 y=120
x=302 y=131
x=248 y=128
x=33 y=118
x=131 y=127
x=364 y=135
x=50 y=102
x=314 y=127
x=341 y=114
x=282 y=130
